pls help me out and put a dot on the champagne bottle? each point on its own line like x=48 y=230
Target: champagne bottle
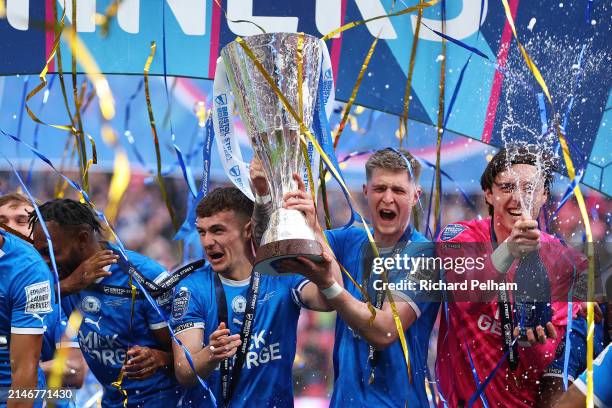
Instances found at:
x=532 y=297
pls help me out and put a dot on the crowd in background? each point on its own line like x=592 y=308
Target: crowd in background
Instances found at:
x=144 y=225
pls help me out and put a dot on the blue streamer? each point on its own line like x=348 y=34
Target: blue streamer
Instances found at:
x=321 y=129
x=446 y=118
x=587 y=11
x=24 y=92
x=43 y=102
x=126 y=124
x=458 y=42
x=188 y=225
x=542 y=108
x=186 y=172
x=479 y=386
x=480 y=390
x=569 y=192
x=56 y=281
x=465 y=195
x=172 y=334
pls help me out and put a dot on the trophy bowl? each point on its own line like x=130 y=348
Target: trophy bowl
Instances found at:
x=274 y=133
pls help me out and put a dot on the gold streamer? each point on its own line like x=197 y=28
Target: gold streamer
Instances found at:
x=571 y=172
x=403 y=129
x=303 y=146
x=2 y=9
x=85 y=59
x=160 y=178
x=68 y=154
x=440 y=129
x=239 y=21
x=349 y=105
x=333 y=170
x=61 y=353
x=119 y=183
x=43 y=76
x=78 y=123
x=104 y=20
x=354 y=24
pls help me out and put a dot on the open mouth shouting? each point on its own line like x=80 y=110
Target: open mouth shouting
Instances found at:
x=387 y=214
x=215 y=256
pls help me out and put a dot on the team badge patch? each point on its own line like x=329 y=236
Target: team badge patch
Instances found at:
x=90 y=304
x=451 y=231
x=38 y=298
x=239 y=304
x=180 y=303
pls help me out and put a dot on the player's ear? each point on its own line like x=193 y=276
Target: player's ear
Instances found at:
x=488 y=193
x=247 y=230
x=82 y=238
x=365 y=190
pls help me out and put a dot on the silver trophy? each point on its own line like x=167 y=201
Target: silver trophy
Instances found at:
x=274 y=133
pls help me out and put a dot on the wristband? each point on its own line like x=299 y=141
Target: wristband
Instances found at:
x=333 y=291
x=501 y=258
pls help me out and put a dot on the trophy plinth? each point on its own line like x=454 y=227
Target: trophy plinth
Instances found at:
x=293 y=61
x=287 y=236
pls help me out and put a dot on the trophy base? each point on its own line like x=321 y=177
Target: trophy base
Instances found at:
x=268 y=255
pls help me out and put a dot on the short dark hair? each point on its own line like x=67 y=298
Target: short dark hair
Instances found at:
x=66 y=212
x=533 y=155
x=391 y=159
x=16 y=198
x=224 y=198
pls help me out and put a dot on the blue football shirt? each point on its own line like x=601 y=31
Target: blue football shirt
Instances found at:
x=602 y=375
x=265 y=379
x=105 y=336
x=27 y=298
x=352 y=367
x=577 y=358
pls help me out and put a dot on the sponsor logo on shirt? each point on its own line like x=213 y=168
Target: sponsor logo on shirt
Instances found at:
x=104 y=348
x=260 y=352
x=180 y=303
x=38 y=298
x=488 y=324
x=90 y=304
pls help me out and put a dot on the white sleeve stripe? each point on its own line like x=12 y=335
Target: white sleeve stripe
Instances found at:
x=67 y=344
x=407 y=299
x=583 y=389
x=295 y=295
x=157 y=326
x=27 y=330
x=195 y=326
x=302 y=284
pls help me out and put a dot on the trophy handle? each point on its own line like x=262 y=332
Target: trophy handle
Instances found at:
x=227 y=142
